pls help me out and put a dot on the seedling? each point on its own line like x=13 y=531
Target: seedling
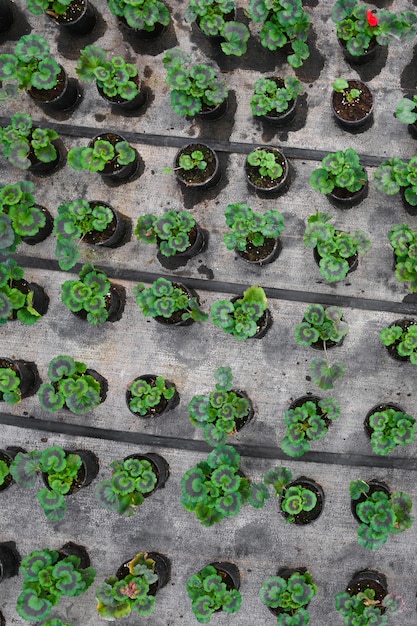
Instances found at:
x=266 y=162
x=342 y=86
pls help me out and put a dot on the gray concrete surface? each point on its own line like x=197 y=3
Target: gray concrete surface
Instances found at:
x=273 y=370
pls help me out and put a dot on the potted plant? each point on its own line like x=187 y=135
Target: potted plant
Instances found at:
x=243 y=317
x=196 y=166
x=400 y=339
x=215 y=488
x=93 y=222
x=72 y=386
x=341 y=178
x=379 y=512
x=366 y=600
x=195 y=88
x=18 y=379
x=275 y=99
x=20 y=299
x=352 y=103
x=395 y=175
x=143 y=17
x=47 y=576
x=288 y=594
x=307 y=419
x=404 y=243
x=223 y=412
x=388 y=427
x=336 y=251
x=176 y=233
x=63 y=473
x=75 y=16
x=31 y=67
x=407 y=114
x=169 y=303
x=93 y=297
x=216 y=19
x=267 y=171
x=360 y=29
x=254 y=236
x=284 y=25
x=117 y=80
x=134 y=586
x=150 y=395
x=133 y=479
x=6 y=459
x=321 y=327
x=301 y=500
x=29 y=148
x=214 y=588
x=109 y=154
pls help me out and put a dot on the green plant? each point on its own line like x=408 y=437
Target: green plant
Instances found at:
x=364 y=609
x=113 y=77
x=118 y=597
x=407 y=110
x=321 y=324
x=209 y=593
x=71 y=387
x=379 y=514
x=194 y=88
x=215 y=489
x=51 y=7
x=76 y=219
x=283 y=22
x=20 y=141
x=323 y=373
x=306 y=423
x=171 y=231
x=334 y=247
x=47 y=576
x=290 y=594
x=274 y=95
x=393 y=174
x=14 y=301
x=192 y=161
x=19 y=217
x=341 y=169
x=88 y=294
x=55 y=622
x=403 y=339
x=31 y=65
x=294 y=498
x=62 y=470
x=102 y=153
x=165 y=299
x=211 y=17
x=341 y=85
x=404 y=242
x=249 y=227
x=123 y=493
x=9 y=386
x=266 y=162
x=141 y=14
x=358 y=27
x=219 y=412
x=391 y=428
x=145 y=396
x=4 y=472
x=241 y=317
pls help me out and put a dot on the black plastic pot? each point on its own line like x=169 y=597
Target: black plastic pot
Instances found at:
x=62 y=97
x=39 y=168
x=40 y=300
x=162 y=569
x=344 y=199
x=368 y=579
x=7 y=455
x=86 y=474
x=78 y=23
x=409 y=208
x=203 y=179
x=28 y=374
x=359 y=120
x=9 y=560
x=74 y=549
x=214 y=113
x=306 y=517
x=275 y=117
x=229 y=573
x=392 y=349
x=412 y=129
x=261 y=255
x=244 y=421
x=361 y=59
x=218 y=39
x=115 y=234
x=114 y=172
x=142 y=34
x=286 y=573
x=376 y=409
x=265 y=186
x=163 y=406
x=159 y=465
x=100 y=379
x=43 y=232
x=374 y=485
x=175 y=319
x=115 y=303
x=6 y=15
x=126 y=105
x=198 y=242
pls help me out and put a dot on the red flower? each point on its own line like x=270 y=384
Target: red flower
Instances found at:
x=372 y=19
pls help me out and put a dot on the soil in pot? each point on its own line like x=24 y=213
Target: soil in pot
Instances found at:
x=265 y=184
x=162 y=568
x=115 y=234
x=261 y=255
x=344 y=199
x=79 y=19
x=159 y=465
x=374 y=485
x=196 y=178
x=86 y=474
x=392 y=349
x=74 y=549
x=306 y=517
x=27 y=373
x=44 y=232
x=376 y=409
x=115 y=300
x=113 y=171
x=163 y=406
x=64 y=96
x=369 y=579
x=9 y=560
x=283 y=118
x=127 y=105
x=357 y=114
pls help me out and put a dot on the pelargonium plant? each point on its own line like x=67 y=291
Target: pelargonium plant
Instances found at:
x=88 y=294
x=341 y=169
x=407 y=110
x=61 y=469
x=215 y=489
x=266 y=162
x=4 y=473
x=241 y=317
x=146 y=395
x=249 y=227
x=294 y=498
x=404 y=243
x=19 y=217
x=220 y=412
x=404 y=340
x=141 y=14
x=10 y=383
x=102 y=153
x=51 y=7
x=394 y=175
x=391 y=428
x=14 y=300
x=274 y=96
x=20 y=140
x=291 y=595
x=380 y=514
x=115 y=77
x=351 y=96
x=164 y=299
x=365 y=608
x=209 y=593
x=171 y=231
x=321 y=323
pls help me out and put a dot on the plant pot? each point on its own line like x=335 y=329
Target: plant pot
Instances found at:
x=412 y=129
x=116 y=232
x=369 y=579
x=355 y=115
x=39 y=168
x=243 y=421
x=264 y=184
x=306 y=517
x=229 y=573
x=175 y=319
x=218 y=39
x=103 y=383
x=7 y=455
x=74 y=549
x=27 y=373
x=6 y=15
x=344 y=199
x=198 y=179
x=159 y=465
x=404 y=323
x=43 y=232
x=366 y=57
x=283 y=118
x=40 y=300
x=9 y=560
x=162 y=568
x=142 y=34
x=126 y=105
x=62 y=97
x=409 y=208
x=86 y=474
x=113 y=171
x=115 y=301
x=79 y=19
x=214 y=113
x=261 y=255
x=286 y=573
x=376 y=409
x=353 y=260
x=374 y=486
x=198 y=243
x=163 y=406
x=263 y=324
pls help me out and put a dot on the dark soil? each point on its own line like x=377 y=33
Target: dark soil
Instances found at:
x=98 y=236
x=257 y=253
x=392 y=349
x=359 y=108
x=74 y=11
x=196 y=176
x=265 y=182
x=46 y=95
x=374 y=581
